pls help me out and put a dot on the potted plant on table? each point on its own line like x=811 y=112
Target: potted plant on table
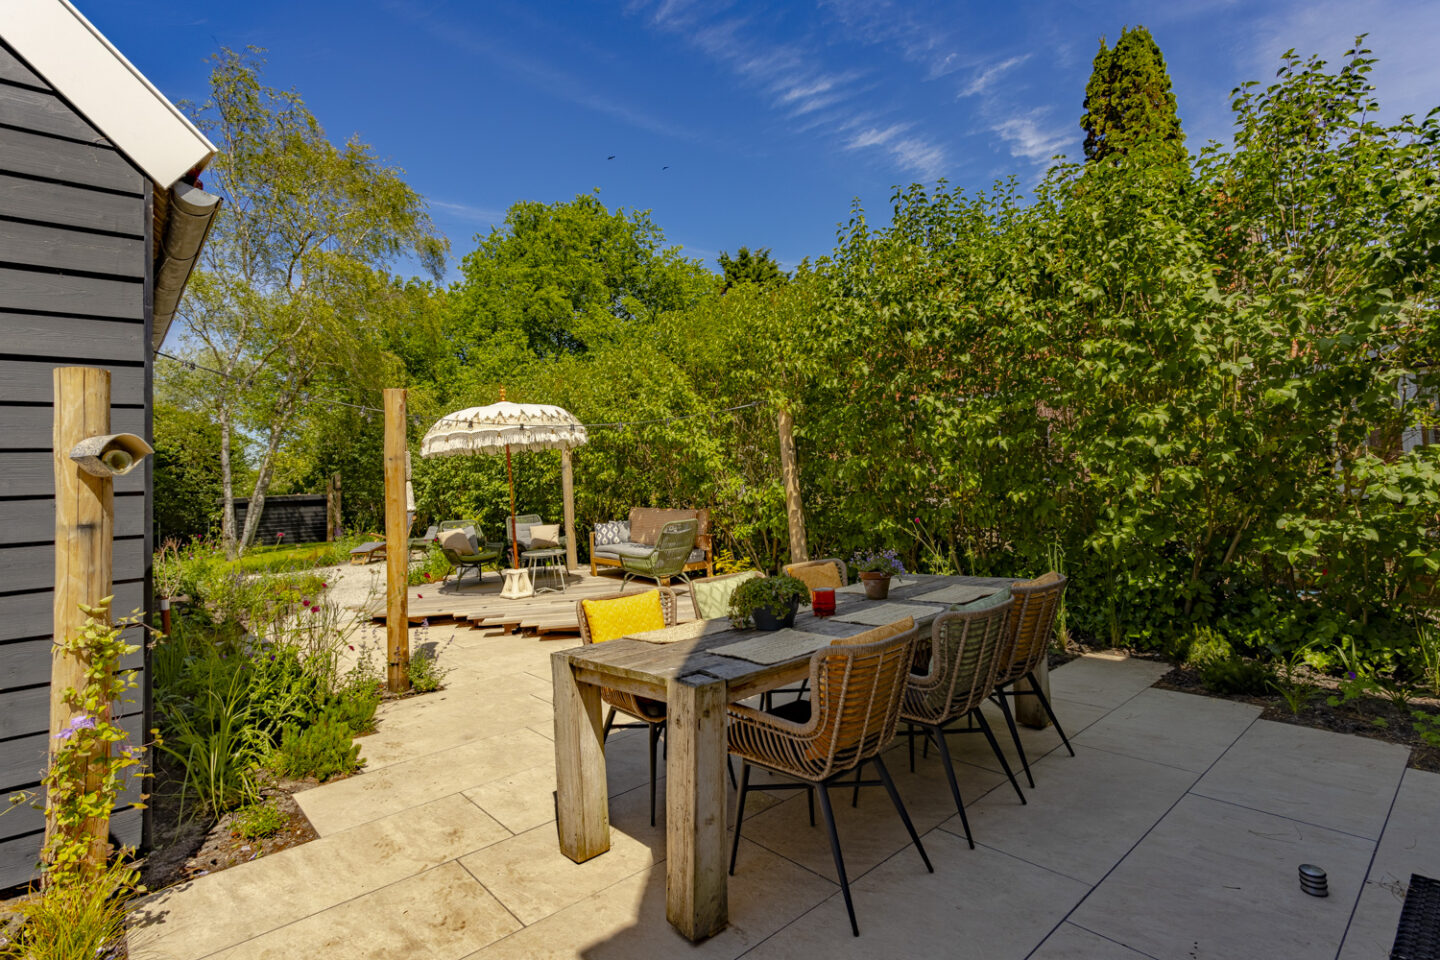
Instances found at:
x=876 y=567
x=768 y=603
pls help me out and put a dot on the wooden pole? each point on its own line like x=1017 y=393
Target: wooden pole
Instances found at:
x=84 y=526
x=567 y=491
x=790 y=472
x=332 y=507
x=397 y=547
x=514 y=534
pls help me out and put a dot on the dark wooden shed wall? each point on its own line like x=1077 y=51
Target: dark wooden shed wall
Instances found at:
x=300 y=516
x=75 y=289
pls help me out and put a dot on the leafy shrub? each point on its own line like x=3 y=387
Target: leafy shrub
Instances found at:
x=321 y=750
x=432 y=569
x=1237 y=676
x=70 y=921
x=426 y=673
x=257 y=820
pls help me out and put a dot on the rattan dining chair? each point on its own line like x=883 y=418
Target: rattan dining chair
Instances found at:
x=960 y=675
x=858 y=687
x=1032 y=621
x=650 y=714
x=829 y=572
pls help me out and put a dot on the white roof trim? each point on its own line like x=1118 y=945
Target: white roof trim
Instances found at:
x=76 y=59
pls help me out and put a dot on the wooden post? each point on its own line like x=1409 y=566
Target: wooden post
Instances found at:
x=397 y=547
x=1027 y=709
x=84 y=525
x=582 y=804
x=332 y=507
x=567 y=492
x=790 y=472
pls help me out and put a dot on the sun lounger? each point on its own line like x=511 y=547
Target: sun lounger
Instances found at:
x=370 y=550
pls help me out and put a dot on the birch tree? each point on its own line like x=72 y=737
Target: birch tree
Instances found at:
x=279 y=296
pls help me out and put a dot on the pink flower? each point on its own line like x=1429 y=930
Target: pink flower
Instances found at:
x=324 y=585
x=352 y=646
x=419 y=596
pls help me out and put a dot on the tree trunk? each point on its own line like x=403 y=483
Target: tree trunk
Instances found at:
x=227 y=484
x=267 y=465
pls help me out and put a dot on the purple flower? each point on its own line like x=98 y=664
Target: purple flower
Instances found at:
x=425 y=622
x=82 y=722
x=1350 y=675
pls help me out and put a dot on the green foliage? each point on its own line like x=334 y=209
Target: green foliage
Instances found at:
x=773 y=593
x=256 y=821
x=1129 y=105
x=1237 y=675
x=887 y=562
x=425 y=671
x=187 y=472
x=432 y=569
x=76 y=921
x=322 y=750
x=749 y=266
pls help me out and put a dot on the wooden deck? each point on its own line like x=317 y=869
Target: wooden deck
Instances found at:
x=545 y=614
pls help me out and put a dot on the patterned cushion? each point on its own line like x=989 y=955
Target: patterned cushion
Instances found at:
x=612 y=531
x=712 y=597
x=611 y=619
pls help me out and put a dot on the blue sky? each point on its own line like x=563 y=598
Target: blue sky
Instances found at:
x=744 y=123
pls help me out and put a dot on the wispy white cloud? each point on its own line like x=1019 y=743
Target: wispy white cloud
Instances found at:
x=1032 y=135
x=469 y=213
x=984 y=79
x=795 y=79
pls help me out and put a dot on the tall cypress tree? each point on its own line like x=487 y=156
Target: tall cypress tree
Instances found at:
x=1128 y=101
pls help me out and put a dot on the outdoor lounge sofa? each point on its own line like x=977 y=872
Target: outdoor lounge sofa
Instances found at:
x=637 y=537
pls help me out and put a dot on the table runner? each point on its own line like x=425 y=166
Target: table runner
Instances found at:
x=878 y=615
x=683 y=631
x=860 y=587
x=958 y=593
x=775 y=647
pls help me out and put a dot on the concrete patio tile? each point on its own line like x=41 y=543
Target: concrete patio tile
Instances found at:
x=199 y=917
x=1410 y=844
x=438 y=726
x=1219 y=880
x=1070 y=942
x=869 y=833
x=1330 y=779
x=626 y=921
x=1103 y=680
x=442 y=914
x=978 y=904
x=972 y=747
x=1178 y=729
x=1084 y=813
x=378 y=793
x=525 y=799
x=533 y=879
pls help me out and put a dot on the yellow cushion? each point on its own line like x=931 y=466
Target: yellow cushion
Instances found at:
x=816 y=573
x=610 y=619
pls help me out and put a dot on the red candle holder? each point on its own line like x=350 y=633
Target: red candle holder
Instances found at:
x=822 y=601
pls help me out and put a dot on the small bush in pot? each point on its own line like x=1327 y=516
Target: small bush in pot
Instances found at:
x=876 y=567
x=768 y=603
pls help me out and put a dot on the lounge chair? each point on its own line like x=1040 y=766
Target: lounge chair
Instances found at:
x=367 y=551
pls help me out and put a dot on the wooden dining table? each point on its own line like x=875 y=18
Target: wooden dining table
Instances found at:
x=695 y=683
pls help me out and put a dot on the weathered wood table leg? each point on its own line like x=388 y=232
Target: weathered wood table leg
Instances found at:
x=582 y=795
x=695 y=894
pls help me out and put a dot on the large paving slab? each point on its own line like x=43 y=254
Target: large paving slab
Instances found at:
x=626 y=921
x=1330 y=779
x=442 y=914
x=1177 y=729
x=1218 y=880
x=1104 y=680
x=978 y=904
x=1070 y=942
x=1085 y=812
x=399 y=786
x=1410 y=844
x=197 y=918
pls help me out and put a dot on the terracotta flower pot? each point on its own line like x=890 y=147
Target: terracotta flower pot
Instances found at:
x=877 y=585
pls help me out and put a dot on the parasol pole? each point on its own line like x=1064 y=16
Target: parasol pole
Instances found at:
x=514 y=539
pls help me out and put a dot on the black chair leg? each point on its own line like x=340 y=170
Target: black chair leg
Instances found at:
x=654 y=738
x=1045 y=703
x=730 y=768
x=835 y=852
x=1004 y=702
x=739 y=813
x=609 y=722
x=810 y=799
x=910 y=736
x=855 y=797
x=900 y=805
x=939 y=736
x=999 y=754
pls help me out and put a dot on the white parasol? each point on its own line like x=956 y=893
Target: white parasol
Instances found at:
x=501 y=427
